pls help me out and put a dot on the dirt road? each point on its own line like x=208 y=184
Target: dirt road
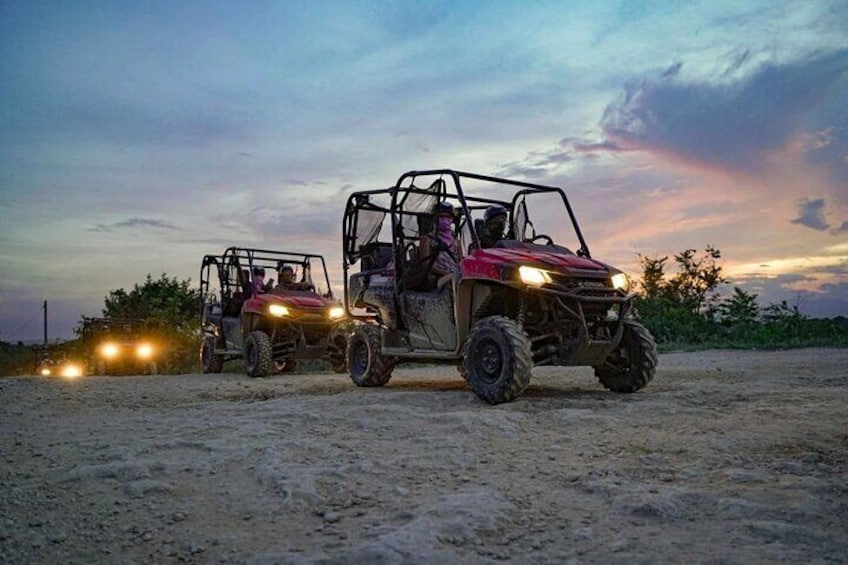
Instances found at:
x=726 y=457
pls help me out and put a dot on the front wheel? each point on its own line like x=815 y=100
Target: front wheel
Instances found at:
x=337 y=353
x=632 y=365
x=257 y=354
x=366 y=365
x=498 y=360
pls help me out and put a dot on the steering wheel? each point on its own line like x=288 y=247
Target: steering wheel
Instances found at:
x=550 y=240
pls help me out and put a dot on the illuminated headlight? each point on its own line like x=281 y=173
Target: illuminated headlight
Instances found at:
x=278 y=310
x=144 y=351
x=45 y=371
x=71 y=371
x=620 y=281
x=533 y=276
x=336 y=312
x=109 y=350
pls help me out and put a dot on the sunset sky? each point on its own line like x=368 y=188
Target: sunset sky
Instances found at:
x=137 y=136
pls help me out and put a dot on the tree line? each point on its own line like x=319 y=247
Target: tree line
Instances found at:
x=685 y=309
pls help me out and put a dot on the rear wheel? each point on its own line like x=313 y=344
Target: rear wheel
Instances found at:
x=257 y=354
x=210 y=362
x=366 y=365
x=632 y=365
x=497 y=360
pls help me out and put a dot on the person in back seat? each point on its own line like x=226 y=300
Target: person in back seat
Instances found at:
x=440 y=248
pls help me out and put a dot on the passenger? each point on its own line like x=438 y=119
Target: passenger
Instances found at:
x=259 y=284
x=494 y=227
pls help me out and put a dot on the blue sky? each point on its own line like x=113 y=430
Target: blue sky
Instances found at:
x=137 y=136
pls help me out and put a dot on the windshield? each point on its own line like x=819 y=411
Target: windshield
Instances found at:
x=542 y=217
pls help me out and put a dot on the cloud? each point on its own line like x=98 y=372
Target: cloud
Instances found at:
x=539 y=164
x=826 y=301
x=135 y=223
x=811 y=214
x=733 y=124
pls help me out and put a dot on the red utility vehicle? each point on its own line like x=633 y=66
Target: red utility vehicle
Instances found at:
x=270 y=324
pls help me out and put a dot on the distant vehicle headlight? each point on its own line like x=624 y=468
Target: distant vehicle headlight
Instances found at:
x=109 y=350
x=336 y=312
x=45 y=371
x=533 y=276
x=71 y=370
x=144 y=351
x=620 y=281
x=278 y=310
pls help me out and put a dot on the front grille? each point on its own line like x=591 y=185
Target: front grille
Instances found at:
x=595 y=287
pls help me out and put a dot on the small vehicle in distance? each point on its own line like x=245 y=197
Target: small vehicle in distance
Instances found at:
x=271 y=326
x=54 y=361
x=530 y=298
x=120 y=346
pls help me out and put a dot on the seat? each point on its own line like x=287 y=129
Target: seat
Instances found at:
x=376 y=255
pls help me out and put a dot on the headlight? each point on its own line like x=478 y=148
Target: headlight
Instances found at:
x=336 y=312
x=71 y=370
x=109 y=350
x=45 y=371
x=533 y=276
x=144 y=351
x=278 y=310
x=620 y=281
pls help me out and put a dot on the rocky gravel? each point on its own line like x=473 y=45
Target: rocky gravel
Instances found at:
x=726 y=457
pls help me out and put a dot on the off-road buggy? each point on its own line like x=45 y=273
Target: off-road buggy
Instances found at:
x=56 y=360
x=271 y=326
x=120 y=346
x=527 y=300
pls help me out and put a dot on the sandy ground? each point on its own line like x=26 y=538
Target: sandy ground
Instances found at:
x=726 y=457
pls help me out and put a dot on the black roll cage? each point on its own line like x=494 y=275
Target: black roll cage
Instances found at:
x=399 y=193
x=234 y=257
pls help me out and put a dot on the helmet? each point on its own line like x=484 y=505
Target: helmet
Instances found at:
x=283 y=268
x=493 y=211
x=258 y=271
x=444 y=208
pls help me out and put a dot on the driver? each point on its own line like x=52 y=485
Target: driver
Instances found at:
x=494 y=227
x=286 y=280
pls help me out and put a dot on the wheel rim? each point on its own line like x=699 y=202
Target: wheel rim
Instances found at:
x=359 y=358
x=489 y=360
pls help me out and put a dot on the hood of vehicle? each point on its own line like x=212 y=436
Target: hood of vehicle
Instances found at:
x=294 y=299
x=542 y=259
